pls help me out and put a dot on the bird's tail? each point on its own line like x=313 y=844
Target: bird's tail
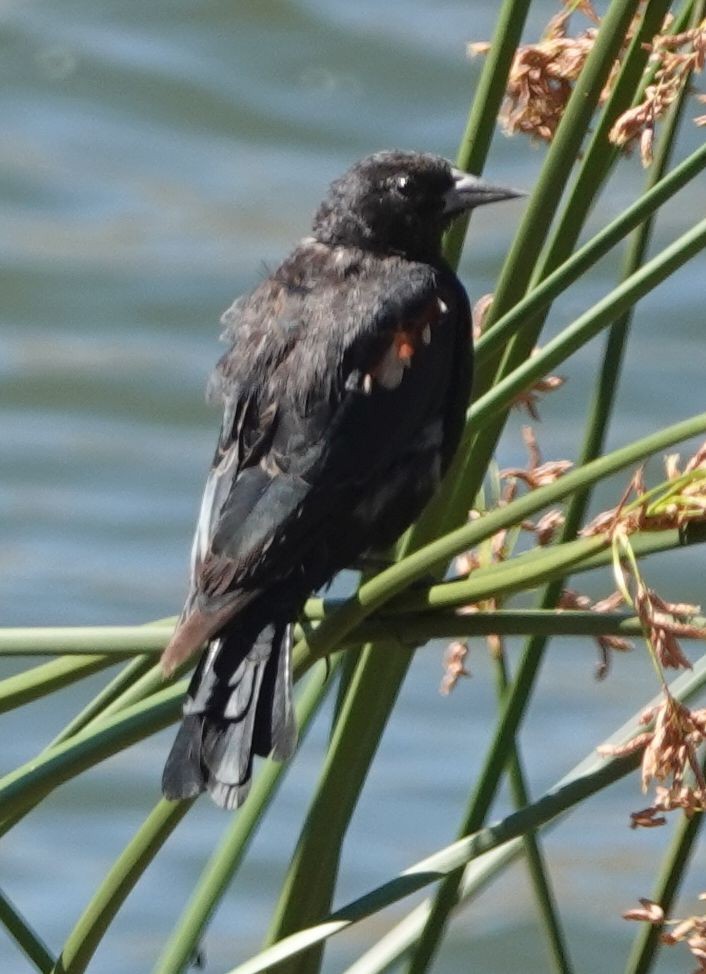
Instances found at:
x=239 y=704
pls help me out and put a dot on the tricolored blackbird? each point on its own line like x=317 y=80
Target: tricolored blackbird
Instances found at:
x=344 y=392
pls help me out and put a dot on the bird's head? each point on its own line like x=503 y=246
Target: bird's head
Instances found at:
x=400 y=202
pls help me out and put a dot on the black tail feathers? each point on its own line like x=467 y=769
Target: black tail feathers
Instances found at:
x=239 y=704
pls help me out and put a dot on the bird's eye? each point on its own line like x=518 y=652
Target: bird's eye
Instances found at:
x=404 y=185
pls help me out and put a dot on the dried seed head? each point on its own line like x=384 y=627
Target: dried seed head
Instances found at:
x=536 y=474
x=570 y=599
x=454 y=666
x=530 y=398
x=673 y=59
x=543 y=74
x=479 y=314
x=650 y=912
x=688 y=930
x=669 y=755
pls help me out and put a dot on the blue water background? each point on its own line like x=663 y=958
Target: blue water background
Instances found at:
x=155 y=160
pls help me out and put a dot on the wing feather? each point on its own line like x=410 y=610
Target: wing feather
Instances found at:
x=322 y=388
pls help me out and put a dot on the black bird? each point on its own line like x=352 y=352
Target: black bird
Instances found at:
x=344 y=392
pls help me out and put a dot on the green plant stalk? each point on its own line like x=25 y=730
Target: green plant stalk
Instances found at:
x=130 y=672
x=607 y=384
x=479 y=873
x=32 y=781
x=127 y=675
x=119 y=641
x=541 y=296
x=516 y=622
x=506 y=577
x=440 y=864
x=383 y=673
x=601 y=154
x=536 y=566
x=590 y=776
x=521 y=573
x=413 y=626
x=644 y=543
x=564 y=149
x=521 y=270
x=26 y=939
x=363 y=716
x=594 y=168
x=38 y=681
x=406 y=610
x=571 y=557
x=437 y=554
x=221 y=867
x=539 y=876
x=489 y=93
x=644 y=953
x=448 y=892
x=136 y=857
x=536 y=866
x=402 y=615
x=120 y=880
x=588 y=325
x=151 y=681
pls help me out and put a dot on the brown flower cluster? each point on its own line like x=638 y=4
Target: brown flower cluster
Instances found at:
x=701 y=119
x=454 y=666
x=665 y=622
x=536 y=473
x=670 y=746
x=529 y=399
x=497 y=551
x=673 y=57
x=690 y=930
x=669 y=754
x=479 y=315
x=681 y=501
x=542 y=78
x=607 y=643
x=499 y=546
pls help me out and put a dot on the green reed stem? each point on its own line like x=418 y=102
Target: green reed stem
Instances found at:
x=536 y=865
x=31 y=945
x=589 y=777
x=118 y=883
x=227 y=857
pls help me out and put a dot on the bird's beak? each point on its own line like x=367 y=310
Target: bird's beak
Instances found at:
x=469 y=191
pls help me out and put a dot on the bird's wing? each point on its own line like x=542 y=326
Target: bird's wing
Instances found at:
x=321 y=389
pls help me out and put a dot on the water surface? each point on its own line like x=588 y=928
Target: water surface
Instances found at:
x=155 y=160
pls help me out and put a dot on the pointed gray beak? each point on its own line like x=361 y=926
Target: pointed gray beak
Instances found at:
x=469 y=191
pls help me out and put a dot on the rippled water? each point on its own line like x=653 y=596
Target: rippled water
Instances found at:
x=155 y=159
